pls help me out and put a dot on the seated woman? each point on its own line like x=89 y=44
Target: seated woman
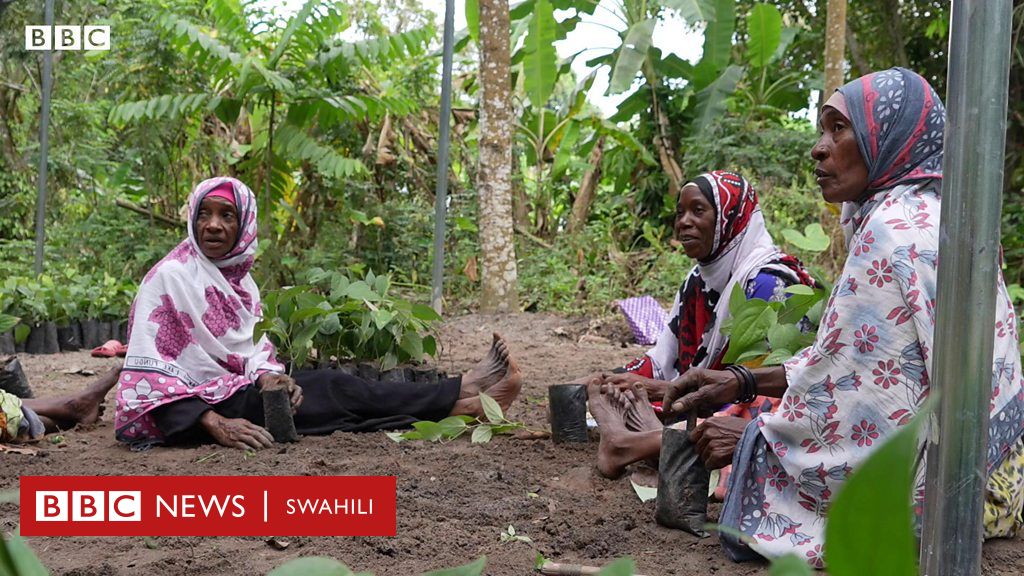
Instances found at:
x=720 y=225
x=880 y=154
x=27 y=419
x=193 y=372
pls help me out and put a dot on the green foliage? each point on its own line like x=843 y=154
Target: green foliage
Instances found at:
x=539 y=70
x=494 y=422
x=870 y=527
x=509 y=535
x=17 y=558
x=67 y=295
x=769 y=333
x=813 y=239
x=336 y=316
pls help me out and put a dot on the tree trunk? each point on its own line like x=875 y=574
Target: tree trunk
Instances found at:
x=494 y=178
x=585 y=197
x=835 y=46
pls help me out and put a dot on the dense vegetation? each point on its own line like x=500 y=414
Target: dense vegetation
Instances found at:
x=338 y=137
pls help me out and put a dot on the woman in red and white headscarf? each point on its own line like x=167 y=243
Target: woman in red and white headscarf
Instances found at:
x=720 y=225
x=193 y=371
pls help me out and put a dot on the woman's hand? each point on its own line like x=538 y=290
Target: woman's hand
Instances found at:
x=274 y=380
x=716 y=439
x=705 y=390
x=236 y=432
x=625 y=381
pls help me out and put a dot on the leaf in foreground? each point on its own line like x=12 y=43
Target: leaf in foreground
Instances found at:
x=870 y=525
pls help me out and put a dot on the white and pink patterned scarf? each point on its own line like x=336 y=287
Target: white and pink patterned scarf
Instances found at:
x=191 y=325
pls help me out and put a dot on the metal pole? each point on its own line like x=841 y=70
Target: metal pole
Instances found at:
x=441 y=195
x=44 y=143
x=979 y=62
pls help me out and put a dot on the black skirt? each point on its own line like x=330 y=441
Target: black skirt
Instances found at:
x=332 y=402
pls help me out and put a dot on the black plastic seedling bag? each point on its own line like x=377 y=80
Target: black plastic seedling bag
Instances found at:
x=567 y=411
x=277 y=414
x=13 y=379
x=682 y=484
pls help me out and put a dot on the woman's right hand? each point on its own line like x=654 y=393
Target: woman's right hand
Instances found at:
x=703 y=390
x=236 y=432
x=625 y=381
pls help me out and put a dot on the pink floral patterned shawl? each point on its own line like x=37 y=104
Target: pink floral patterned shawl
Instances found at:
x=867 y=372
x=191 y=325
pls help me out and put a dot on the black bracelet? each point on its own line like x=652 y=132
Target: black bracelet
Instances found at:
x=747 y=382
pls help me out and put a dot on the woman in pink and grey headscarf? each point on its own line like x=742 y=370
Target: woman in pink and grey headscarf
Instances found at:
x=867 y=373
x=193 y=371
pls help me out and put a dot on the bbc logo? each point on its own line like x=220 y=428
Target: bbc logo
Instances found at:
x=67 y=38
x=88 y=506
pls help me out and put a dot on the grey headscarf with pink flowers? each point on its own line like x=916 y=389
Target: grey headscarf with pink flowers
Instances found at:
x=191 y=325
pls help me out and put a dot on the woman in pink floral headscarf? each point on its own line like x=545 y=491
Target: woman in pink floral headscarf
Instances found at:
x=193 y=371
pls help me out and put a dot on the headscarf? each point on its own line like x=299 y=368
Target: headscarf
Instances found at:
x=191 y=324
x=899 y=123
x=741 y=250
x=869 y=368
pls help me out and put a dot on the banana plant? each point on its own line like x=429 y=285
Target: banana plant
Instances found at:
x=284 y=95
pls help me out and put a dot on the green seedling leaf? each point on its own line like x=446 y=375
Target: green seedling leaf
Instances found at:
x=475 y=568
x=426 y=313
x=622 y=567
x=752 y=354
x=813 y=239
x=870 y=527
x=789 y=565
x=491 y=409
x=430 y=430
x=788 y=336
x=17 y=558
x=400 y=437
x=482 y=434
x=749 y=328
x=777 y=357
x=452 y=427
x=7 y=322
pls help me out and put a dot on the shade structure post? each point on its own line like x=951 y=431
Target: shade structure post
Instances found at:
x=444 y=137
x=976 y=100
x=44 y=143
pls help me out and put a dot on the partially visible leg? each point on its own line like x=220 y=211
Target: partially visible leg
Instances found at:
x=63 y=412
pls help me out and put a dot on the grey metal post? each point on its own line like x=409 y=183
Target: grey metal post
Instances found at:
x=979 y=62
x=441 y=195
x=44 y=143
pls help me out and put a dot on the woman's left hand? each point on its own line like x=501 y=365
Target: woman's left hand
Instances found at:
x=716 y=439
x=284 y=381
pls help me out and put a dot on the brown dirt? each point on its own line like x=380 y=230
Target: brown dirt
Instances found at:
x=454 y=499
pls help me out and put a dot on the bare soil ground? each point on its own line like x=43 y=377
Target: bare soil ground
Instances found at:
x=454 y=499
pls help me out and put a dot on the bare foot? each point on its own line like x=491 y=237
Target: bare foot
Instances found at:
x=83 y=408
x=488 y=372
x=504 y=390
x=87 y=407
x=612 y=452
x=640 y=415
